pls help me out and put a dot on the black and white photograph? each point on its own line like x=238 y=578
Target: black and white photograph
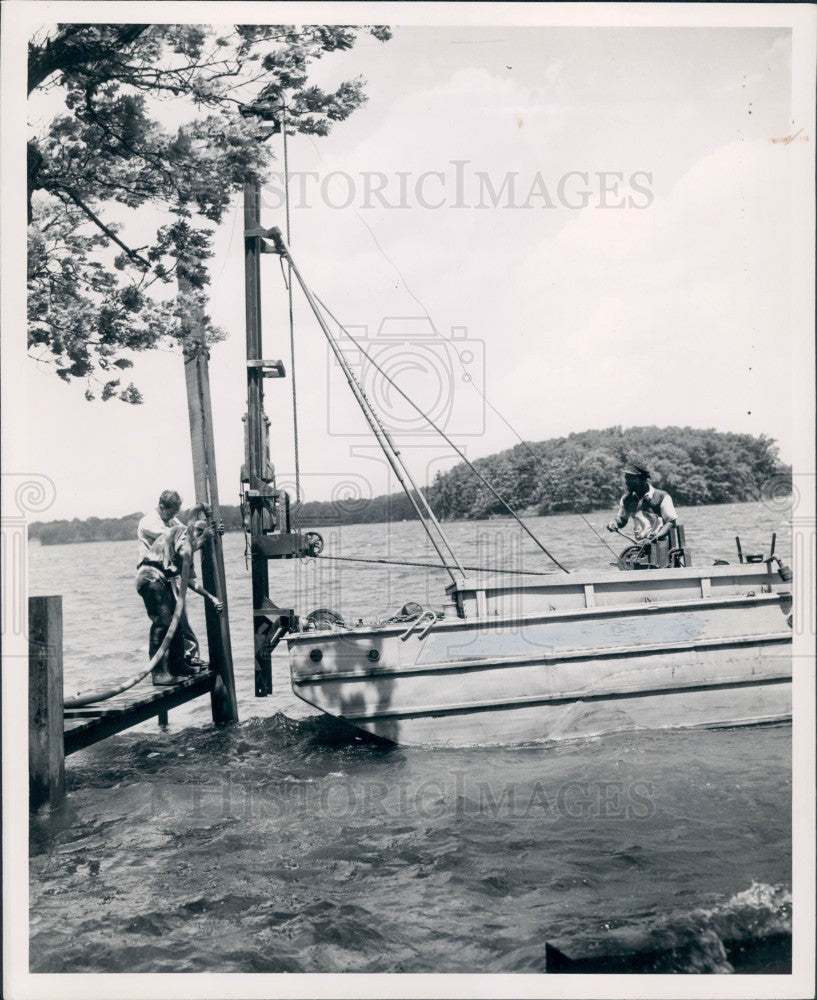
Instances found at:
x=408 y=499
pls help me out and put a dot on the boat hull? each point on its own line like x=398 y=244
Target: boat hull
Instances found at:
x=557 y=675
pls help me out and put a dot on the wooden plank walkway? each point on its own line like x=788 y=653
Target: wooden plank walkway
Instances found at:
x=92 y=723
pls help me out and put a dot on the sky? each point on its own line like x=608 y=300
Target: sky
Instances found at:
x=540 y=230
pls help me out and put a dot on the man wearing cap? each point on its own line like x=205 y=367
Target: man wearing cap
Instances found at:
x=156 y=526
x=163 y=561
x=652 y=510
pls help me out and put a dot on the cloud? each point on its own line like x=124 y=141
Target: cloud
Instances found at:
x=675 y=314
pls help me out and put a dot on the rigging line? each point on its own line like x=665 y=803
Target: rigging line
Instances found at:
x=380 y=433
x=405 y=562
x=229 y=246
x=423 y=499
x=291 y=323
x=442 y=433
x=485 y=399
x=553 y=485
x=387 y=436
x=600 y=537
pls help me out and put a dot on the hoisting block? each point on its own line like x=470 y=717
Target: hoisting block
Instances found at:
x=271 y=239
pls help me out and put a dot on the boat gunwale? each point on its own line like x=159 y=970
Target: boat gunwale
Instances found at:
x=602 y=610
x=590 y=577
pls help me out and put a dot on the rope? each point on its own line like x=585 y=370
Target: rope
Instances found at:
x=485 y=399
x=442 y=433
x=601 y=538
x=381 y=434
x=87 y=699
x=291 y=323
x=406 y=562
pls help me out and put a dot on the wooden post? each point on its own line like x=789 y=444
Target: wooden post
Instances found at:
x=46 y=749
x=197 y=381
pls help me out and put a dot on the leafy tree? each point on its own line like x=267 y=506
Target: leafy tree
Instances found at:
x=582 y=472
x=102 y=282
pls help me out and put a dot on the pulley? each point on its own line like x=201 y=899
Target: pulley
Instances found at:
x=323 y=619
x=315 y=543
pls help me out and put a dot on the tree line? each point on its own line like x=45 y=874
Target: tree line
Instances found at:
x=577 y=473
x=314 y=514
x=583 y=471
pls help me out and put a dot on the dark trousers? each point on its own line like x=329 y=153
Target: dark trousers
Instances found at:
x=160 y=602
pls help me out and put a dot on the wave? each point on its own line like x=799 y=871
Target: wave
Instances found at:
x=750 y=932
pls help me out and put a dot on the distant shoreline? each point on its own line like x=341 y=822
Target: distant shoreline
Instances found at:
x=34 y=539
x=577 y=474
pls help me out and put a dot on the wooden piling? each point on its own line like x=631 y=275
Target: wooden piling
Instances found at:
x=46 y=752
x=197 y=380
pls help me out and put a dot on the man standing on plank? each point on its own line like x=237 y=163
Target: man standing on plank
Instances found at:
x=161 y=562
x=152 y=527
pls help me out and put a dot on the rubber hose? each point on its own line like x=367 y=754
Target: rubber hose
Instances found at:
x=87 y=699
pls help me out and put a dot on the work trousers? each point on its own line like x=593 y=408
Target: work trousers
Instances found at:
x=157 y=592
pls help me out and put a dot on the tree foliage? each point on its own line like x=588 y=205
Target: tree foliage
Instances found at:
x=583 y=472
x=102 y=278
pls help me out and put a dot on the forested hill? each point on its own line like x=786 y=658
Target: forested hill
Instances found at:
x=581 y=472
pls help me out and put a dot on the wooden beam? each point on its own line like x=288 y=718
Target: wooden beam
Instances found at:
x=197 y=382
x=46 y=752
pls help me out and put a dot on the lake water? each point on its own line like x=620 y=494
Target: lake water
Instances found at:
x=289 y=843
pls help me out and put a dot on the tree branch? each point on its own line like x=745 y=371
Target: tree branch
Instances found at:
x=66 y=51
x=101 y=225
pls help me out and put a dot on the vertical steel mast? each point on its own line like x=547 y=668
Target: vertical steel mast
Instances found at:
x=265 y=509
